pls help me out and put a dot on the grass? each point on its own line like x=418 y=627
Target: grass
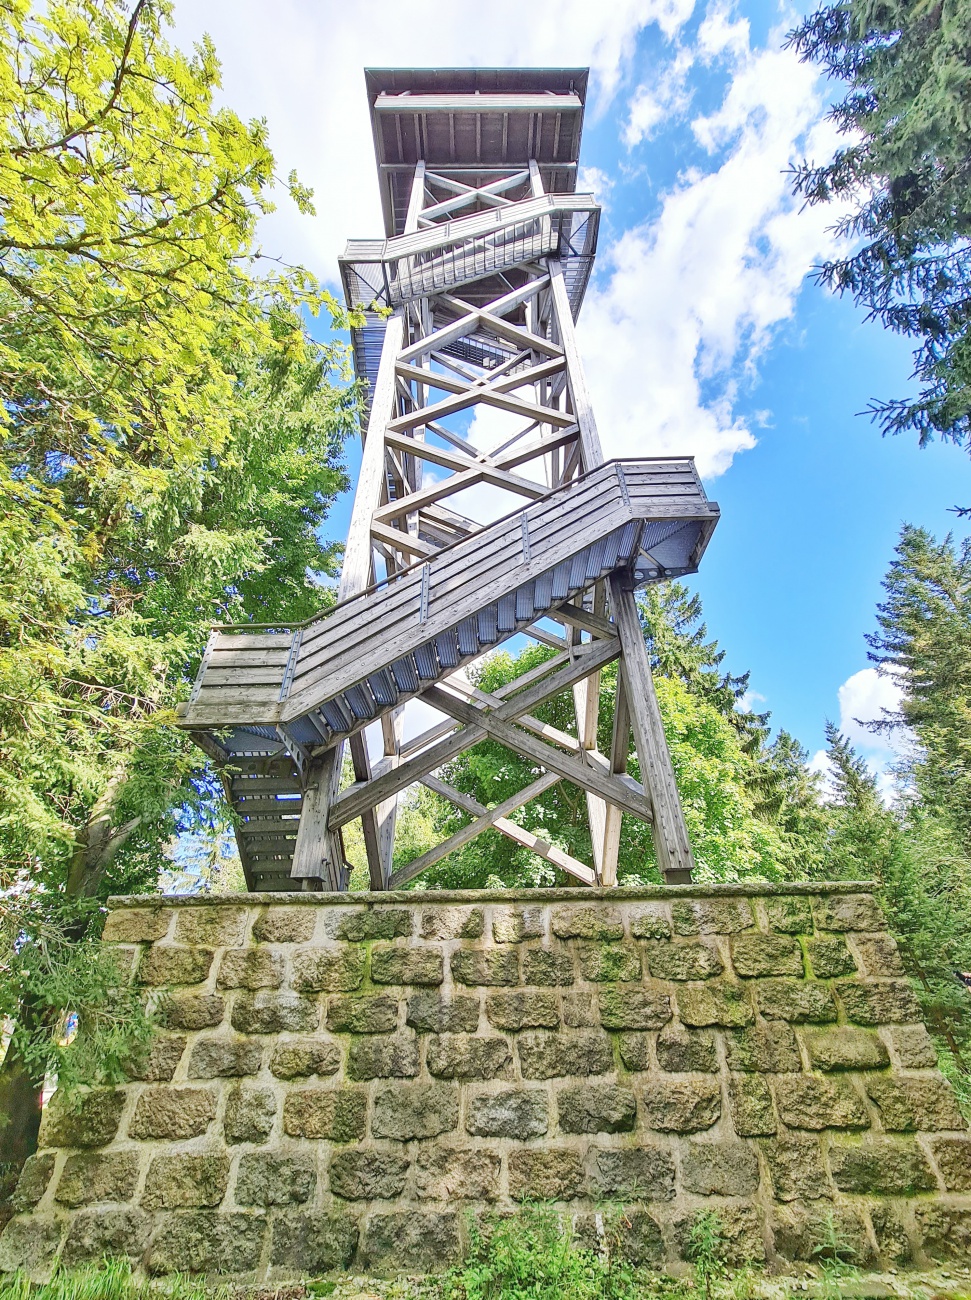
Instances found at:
x=526 y=1256
x=111 y=1280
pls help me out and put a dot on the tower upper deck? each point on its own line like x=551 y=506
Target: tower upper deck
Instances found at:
x=473 y=125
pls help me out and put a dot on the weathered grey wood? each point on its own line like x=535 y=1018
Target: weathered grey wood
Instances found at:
x=470 y=344
x=586 y=702
x=535 y=843
x=590 y=438
x=316 y=855
x=586 y=660
x=454 y=743
x=488 y=560
x=353 y=801
x=583 y=619
x=587 y=777
x=359 y=654
x=670 y=832
x=487 y=103
x=466 y=833
x=619 y=751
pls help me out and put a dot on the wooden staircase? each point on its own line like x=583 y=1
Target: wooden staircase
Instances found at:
x=266 y=701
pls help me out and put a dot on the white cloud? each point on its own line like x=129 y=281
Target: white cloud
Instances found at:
x=869 y=696
x=663 y=98
x=595 y=181
x=692 y=298
x=300 y=65
x=721 y=34
x=689 y=301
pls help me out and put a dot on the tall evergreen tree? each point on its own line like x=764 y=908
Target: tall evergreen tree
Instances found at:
x=925 y=640
x=904 y=173
x=924 y=885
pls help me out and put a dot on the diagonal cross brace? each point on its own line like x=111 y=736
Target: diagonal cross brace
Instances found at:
x=357 y=798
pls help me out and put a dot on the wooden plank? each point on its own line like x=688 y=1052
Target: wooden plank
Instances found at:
x=441 y=338
x=246 y=641
x=270 y=675
x=545 y=517
x=670 y=833
x=356 y=568
x=540 y=447
x=461 y=401
x=619 y=750
x=588 y=660
x=444 y=613
x=316 y=855
x=496 y=102
x=558 y=529
x=283 y=801
x=583 y=619
x=248 y=659
x=468 y=478
x=535 y=843
x=586 y=702
x=406 y=543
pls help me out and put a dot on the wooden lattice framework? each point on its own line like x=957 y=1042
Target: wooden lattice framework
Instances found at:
x=470 y=305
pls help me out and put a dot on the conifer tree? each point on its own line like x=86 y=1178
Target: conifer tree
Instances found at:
x=904 y=175
x=925 y=640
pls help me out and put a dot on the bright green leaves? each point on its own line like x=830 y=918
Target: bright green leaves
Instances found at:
x=172 y=437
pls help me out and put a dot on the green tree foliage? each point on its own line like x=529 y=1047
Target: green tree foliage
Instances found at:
x=904 y=172
x=924 y=885
x=172 y=441
x=925 y=640
x=170 y=445
x=920 y=849
x=752 y=807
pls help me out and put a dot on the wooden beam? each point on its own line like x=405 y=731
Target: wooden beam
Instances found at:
x=443 y=747
x=316 y=855
x=464 y=834
x=513 y=831
x=584 y=619
x=657 y=775
x=356 y=568
x=358 y=798
x=495 y=102
x=619 y=750
x=573 y=769
x=407 y=543
x=586 y=702
x=582 y=406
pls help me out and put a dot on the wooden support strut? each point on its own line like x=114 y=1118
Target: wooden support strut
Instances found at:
x=671 y=842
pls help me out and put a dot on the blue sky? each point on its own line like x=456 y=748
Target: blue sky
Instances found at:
x=701 y=332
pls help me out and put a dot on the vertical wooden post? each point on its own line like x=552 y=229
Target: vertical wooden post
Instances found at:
x=657 y=775
x=318 y=858
x=619 y=750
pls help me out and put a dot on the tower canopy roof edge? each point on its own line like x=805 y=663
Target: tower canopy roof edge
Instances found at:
x=473 y=124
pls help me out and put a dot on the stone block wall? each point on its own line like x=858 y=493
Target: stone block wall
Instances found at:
x=343 y=1080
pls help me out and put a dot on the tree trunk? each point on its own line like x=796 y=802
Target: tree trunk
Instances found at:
x=20 y=1110
x=21 y=1095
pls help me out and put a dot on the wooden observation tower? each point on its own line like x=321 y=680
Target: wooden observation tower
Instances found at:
x=484 y=510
